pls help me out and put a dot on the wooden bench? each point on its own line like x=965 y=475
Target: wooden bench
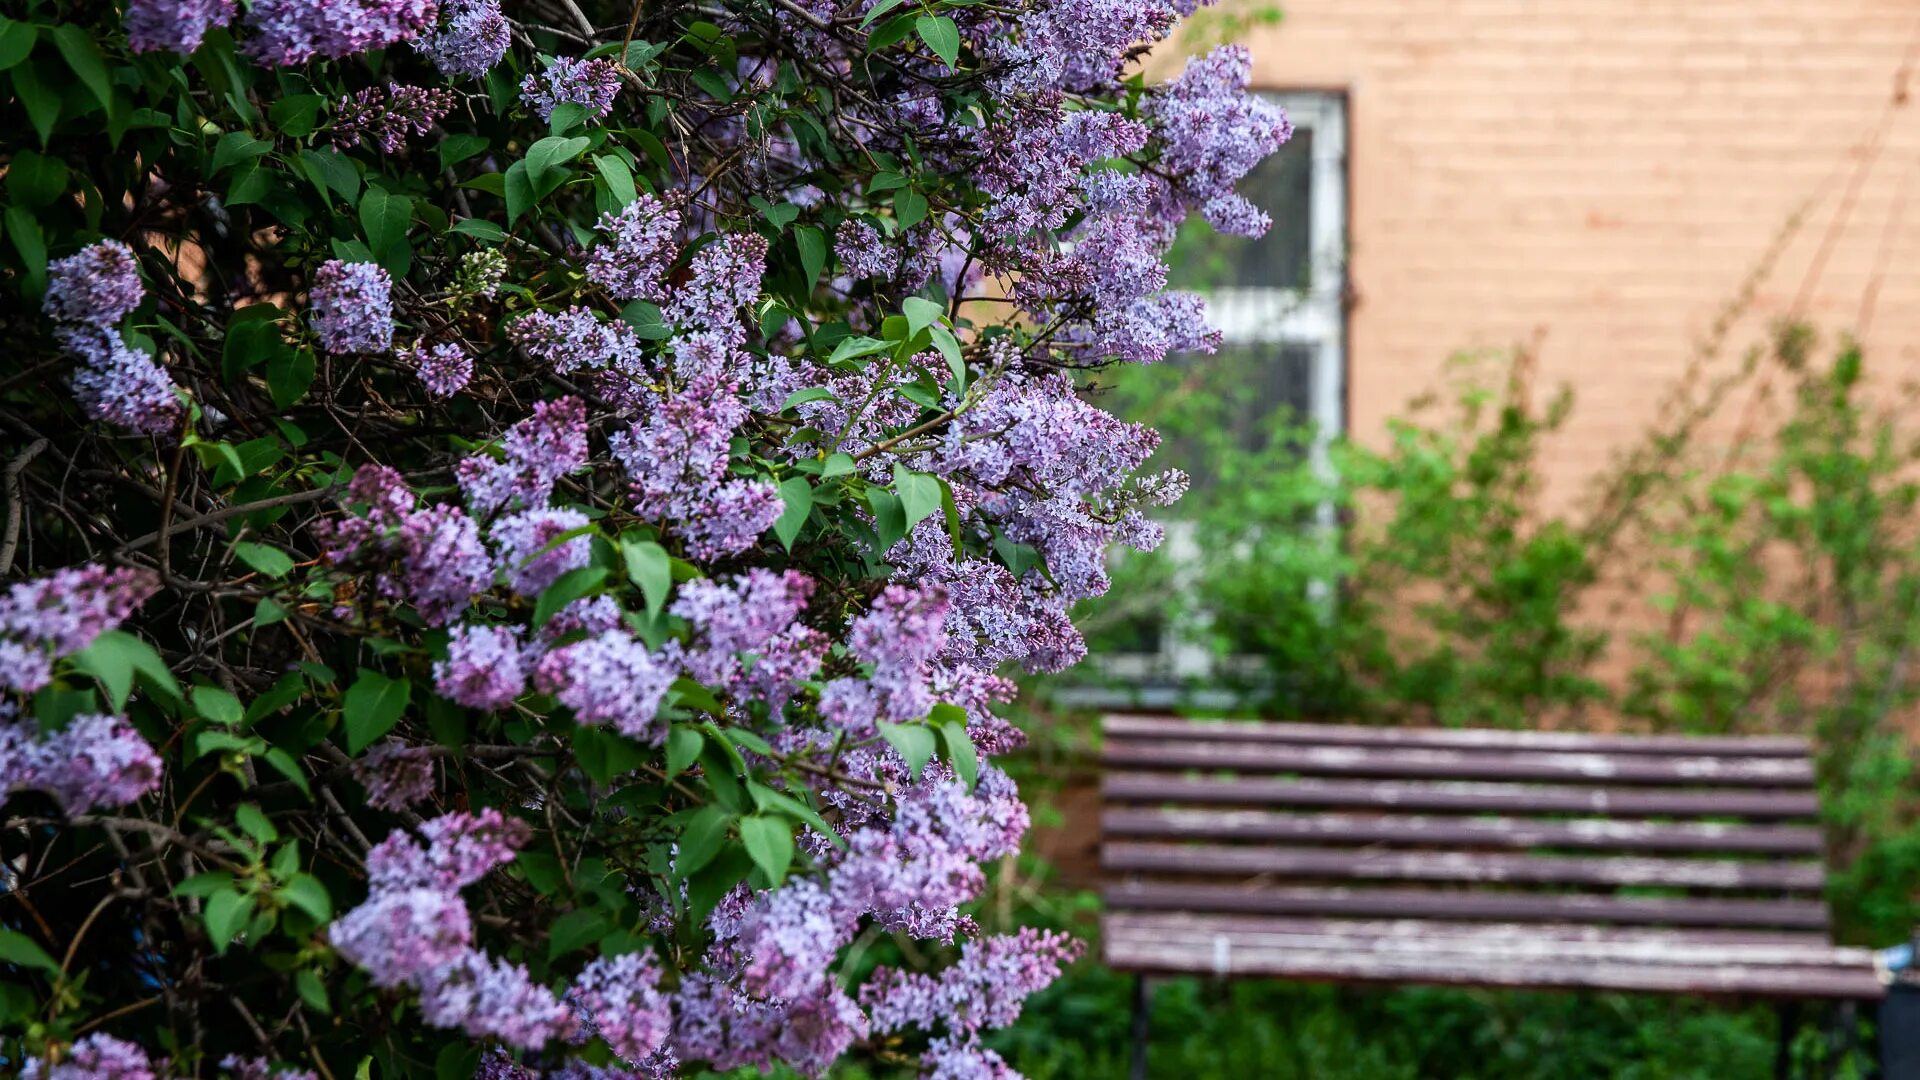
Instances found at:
x=1537 y=860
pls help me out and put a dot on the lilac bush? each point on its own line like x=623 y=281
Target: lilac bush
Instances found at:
x=515 y=541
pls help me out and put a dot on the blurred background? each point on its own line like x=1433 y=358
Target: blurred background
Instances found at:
x=1570 y=390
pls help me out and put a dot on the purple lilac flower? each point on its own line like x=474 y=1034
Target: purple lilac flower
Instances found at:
x=814 y=1032
x=400 y=935
x=519 y=540
x=118 y=386
x=97 y=286
x=591 y=84
x=352 y=307
x=463 y=848
x=387 y=116
x=98 y=1056
x=788 y=939
x=474 y=39
x=862 y=252
x=445 y=368
x=443 y=565
x=290 y=32
x=60 y=614
x=588 y=617
x=744 y=617
x=723 y=279
x=173 y=25
x=677 y=463
x=631 y=264
x=574 y=339
x=609 y=679
x=621 y=997
x=536 y=453
x=483 y=669
x=1215 y=132
x=489 y=998
x=259 y=1068
x=95 y=761
x=982 y=991
x=955 y=1058
x=395 y=775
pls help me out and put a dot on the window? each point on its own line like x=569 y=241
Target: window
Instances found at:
x=1279 y=304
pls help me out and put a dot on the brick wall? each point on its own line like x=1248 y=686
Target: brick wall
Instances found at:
x=1601 y=175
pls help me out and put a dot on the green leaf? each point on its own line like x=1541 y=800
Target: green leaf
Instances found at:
x=284 y=764
x=23 y=229
x=801 y=397
x=226 y=912
x=767 y=798
x=949 y=347
x=769 y=841
x=204 y=884
x=683 y=748
x=576 y=930
x=941 y=35
x=312 y=990
x=914 y=741
x=919 y=495
x=519 y=191
x=455 y=149
x=889 y=520
x=42 y=101
x=618 y=177
x=551 y=151
x=83 y=56
x=889 y=32
x=385 y=217
x=113 y=660
x=543 y=871
x=255 y=824
x=645 y=320
x=217 y=706
x=289 y=375
x=270 y=561
x=565 y=589
x=812 y=244
x=16 y=41
x=921 y=313
x=909 y=208
x=854 y=347
x=701 y=839
x=566 y=116
x=331 y=171
x=480 y=229
x=798 y=495
x=34 y=180
x=837 y=464
x=960 y=748
x=306 y=892
x=235 y=147
x=372 y=706
x=878 y=10
x=296 y=115
x=650 y=567
x=18 y=948
x=779 y=216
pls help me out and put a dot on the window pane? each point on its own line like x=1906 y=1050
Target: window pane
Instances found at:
x=1282 y=185
x=1243 y=397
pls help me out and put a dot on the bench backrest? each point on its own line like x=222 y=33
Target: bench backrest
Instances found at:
x=1334 y=821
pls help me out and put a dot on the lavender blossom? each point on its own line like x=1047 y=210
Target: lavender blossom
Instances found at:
x=483 y=668
x=536 y=453
x=387 y=116
x=474 y=39
x=723 y=280
x=519 y=541
x=173 y=25
x=400 y=935
x=591 y=84
x=61 y=614
x=116 y=385
x=488 y=998
x=609 y=679
x=291 y=32
x=395 y=775
x=632 y=263
x=352 y=307
x=445 y=368
x=862 y=251
x=98 y=1056
x=98 y=286
x=621 y=998
x=95 y=761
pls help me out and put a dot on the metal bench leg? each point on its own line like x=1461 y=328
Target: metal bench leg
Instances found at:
x=1142 y=1005
x=1899 y=1030
x=1789 y=1013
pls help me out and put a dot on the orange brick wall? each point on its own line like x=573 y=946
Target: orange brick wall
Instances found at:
x=1601 y=175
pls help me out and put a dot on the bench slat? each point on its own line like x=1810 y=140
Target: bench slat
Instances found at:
x=1608 y=871
x=1223 y=955
x=1463 y=905
x=1404 y=929
x=1780 y=746
x=1337 y=828
x=1458 y=796
x=1420 y=763
x=1519 y=943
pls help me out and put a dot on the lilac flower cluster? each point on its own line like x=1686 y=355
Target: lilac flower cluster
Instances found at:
x=445 y=368
x=677 y=463
x=632 y=263
x=352 y=307
x=290 y=32
x=98 y=1056
x=591 y=84
x=88 y=293
x=96 y=760
x=386 y=116
x=981 y=992
x=621 y=999
x=724 y=280
x=484 y=668
x=258 y=1068
x=442 y=564
x=395 y=775
x=1214 y=133
x=609 y=679
x=521 y=545
x=474 y=39
x=575 y=340
x=60 y=614
x=747 y=637
x=173 y=25
x=862 y=252
x=536 y=453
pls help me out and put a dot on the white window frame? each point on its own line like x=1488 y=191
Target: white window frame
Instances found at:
x=1315 y=317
